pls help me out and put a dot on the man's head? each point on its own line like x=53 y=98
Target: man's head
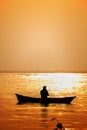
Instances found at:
x=44 y=87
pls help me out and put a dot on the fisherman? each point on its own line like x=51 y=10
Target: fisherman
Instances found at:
x=44 y=93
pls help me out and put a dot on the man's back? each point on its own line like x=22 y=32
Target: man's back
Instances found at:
x=44 y=93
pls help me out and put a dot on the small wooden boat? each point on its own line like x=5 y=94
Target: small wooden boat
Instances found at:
x=26 y=99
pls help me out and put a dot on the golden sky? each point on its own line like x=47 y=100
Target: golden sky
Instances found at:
x=43 y=35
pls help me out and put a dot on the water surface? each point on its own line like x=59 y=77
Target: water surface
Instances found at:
x=34 y=116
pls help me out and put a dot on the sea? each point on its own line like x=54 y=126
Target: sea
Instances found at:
x=32 y=116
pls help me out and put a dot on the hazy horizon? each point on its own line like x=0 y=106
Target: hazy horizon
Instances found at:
x=43 y=35
x=37 y=71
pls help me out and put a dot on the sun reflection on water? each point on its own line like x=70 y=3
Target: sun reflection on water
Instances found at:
x=57 y=82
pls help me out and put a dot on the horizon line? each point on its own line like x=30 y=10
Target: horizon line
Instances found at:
x=6 y=71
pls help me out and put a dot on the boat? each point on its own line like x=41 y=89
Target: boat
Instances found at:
x=26 y=99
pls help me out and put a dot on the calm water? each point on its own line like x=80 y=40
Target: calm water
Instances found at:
x=35 y=116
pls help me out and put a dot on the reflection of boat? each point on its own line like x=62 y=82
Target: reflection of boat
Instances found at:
x=26 y=99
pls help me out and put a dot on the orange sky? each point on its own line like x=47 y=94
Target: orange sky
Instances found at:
x=43 y=35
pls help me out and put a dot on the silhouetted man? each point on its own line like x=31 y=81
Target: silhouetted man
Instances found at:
x=44 y=93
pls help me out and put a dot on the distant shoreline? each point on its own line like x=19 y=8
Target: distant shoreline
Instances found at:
x=43 y=72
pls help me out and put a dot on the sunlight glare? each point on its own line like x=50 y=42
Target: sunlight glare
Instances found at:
x=58 y=82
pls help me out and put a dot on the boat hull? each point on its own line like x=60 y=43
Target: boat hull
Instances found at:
x=27 y=99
